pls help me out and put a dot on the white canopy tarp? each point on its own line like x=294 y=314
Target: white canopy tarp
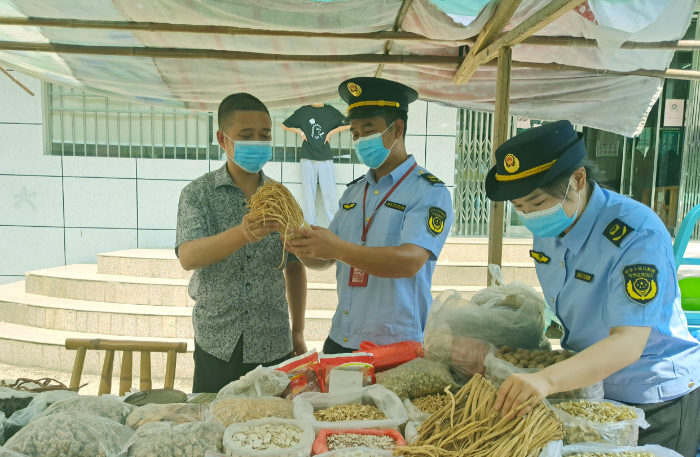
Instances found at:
x=615 y=103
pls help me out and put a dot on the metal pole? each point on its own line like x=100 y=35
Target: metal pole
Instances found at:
x=622 y=175
x=656 y=151
x=634 y=149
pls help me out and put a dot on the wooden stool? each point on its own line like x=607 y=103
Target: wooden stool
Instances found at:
x=128 y=348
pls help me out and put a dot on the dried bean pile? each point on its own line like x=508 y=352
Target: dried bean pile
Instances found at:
x=524 y=358
x=267 y=437
x=346 y=440
x=350 y=413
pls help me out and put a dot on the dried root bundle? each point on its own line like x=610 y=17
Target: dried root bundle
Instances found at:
x=275 y=202
x=468 y=426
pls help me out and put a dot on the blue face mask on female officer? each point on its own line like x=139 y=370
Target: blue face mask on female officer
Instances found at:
x=549 y=222
x=250 y=155
x=371 y=151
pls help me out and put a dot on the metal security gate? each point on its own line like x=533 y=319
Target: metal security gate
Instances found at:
x=473 y=162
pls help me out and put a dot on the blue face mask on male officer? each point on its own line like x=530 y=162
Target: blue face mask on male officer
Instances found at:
x=371 y=151
x=250 y=155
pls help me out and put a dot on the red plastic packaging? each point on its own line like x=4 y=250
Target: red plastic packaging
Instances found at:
x=349 y=362
x=321 y=447
x=303 y=373
x=392 y=355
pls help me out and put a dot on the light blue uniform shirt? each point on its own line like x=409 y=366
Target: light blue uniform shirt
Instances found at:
x=389 y=310
x=592 y=285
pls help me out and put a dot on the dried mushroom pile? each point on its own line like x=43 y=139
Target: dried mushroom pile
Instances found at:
x=599 y=412
x=165 y=439
x=523 y=358
x=346 y=440
x=268 y=437
x=242 y=409
x=349 y=413
x=431 y=403
x=469 y=426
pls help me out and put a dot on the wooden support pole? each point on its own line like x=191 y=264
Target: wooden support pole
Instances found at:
x=146 y=383
x=125 y=377
x=77 y=369
x=549 y=13
x=501 y=125
x=107 y=369
x=397 y=25
x=16 y=81
x=170 y=366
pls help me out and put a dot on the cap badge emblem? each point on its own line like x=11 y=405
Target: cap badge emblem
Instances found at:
x=511 y=163
x=354 y=89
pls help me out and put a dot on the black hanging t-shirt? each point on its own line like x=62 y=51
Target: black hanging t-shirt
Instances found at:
x=315 y=123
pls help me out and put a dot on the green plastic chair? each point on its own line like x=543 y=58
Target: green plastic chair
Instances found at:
x=690 y=287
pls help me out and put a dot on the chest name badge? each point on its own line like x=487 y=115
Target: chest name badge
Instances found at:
x=431 y=178
x=539 y=257
x=349 y=206
x=616 y=231
x=397 y=206
x=641 y=282
x=583 y=276
x=436 y=220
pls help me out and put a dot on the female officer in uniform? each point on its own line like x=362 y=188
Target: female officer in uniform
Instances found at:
x=605 y=264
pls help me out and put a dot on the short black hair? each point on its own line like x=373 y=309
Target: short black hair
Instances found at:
x=238 y=102
x=391 y=115
x=557 y=186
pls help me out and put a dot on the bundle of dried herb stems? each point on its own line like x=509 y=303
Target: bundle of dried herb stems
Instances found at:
x=468 y=426
x=274 y=202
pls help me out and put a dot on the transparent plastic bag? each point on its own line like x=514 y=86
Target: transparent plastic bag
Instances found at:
x=580 y=430
x=414 y=413
x=109 y=408
x=357 y=452
x=12 y=401
x=261 y=382
x=593 y=448
x=72 y=434
x=417 y=378
x=4 y=452
x=502 y=314
x=242 y=409
x=412 y=431
x=39 y=403
x=166 y=439
x=303 y=449
x=2 y=429
x=178 y=413
x=386 y=401
x=498 y=371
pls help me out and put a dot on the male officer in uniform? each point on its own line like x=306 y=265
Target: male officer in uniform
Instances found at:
x=389 y=229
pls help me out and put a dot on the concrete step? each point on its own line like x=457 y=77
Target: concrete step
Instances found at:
x=19 y=307
x=162 y=263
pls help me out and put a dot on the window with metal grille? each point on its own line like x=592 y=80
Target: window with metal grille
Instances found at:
x=83 y=124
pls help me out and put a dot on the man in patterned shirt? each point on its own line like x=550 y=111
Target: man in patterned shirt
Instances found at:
x=241 y=297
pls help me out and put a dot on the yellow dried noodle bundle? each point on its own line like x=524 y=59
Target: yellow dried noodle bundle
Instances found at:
x=468 y=426
x=275 y=202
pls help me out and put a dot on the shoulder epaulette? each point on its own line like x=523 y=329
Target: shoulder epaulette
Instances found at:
x=616 y=231
x=355 y=181
x=431 y=178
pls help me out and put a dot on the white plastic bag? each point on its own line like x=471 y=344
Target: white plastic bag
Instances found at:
x=412 y=431
x=109 y=408
x=39 y=403
x=178 y=413
x=261 y=382
x=593 y=448
x=303 y=449
x=2 y=429
x=4 y=452
x=357 y=452
x=167 y=439
x=71 y=434
x=417 y=378
x=385 y=400
x=458 y=331
x=414 y=414
x=234 y=410
x=580 y=430
x=498 y=370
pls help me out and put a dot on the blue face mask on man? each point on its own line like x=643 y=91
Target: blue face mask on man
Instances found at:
x=250 y=155
x=549 y=222
x=371 y=151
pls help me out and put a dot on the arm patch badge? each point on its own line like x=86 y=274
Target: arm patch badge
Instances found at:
x=397 y=206
x=349 y=206
x=539 y=257
x=616 y=231
x=436 y=220
x=431 y=178
x=641 y=282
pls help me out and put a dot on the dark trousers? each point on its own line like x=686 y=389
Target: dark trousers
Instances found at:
x=675 y=424
x=331 y=347
x=211 y=373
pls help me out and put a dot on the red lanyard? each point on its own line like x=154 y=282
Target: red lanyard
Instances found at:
x=365 y=228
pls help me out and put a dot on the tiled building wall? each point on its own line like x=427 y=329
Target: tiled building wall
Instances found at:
x=65 y=210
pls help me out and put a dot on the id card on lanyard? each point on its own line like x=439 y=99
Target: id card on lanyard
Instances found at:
x=359 y=278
